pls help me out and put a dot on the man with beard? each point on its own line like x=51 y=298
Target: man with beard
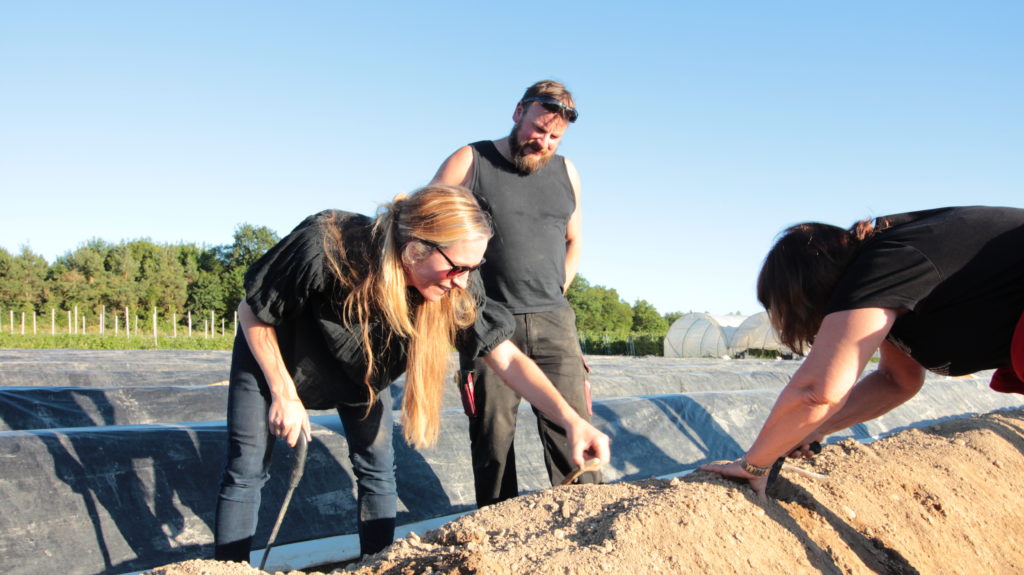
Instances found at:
x=532 y=195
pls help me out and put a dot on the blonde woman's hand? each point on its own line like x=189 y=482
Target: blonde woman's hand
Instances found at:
x=288 y=419
x=587 y=442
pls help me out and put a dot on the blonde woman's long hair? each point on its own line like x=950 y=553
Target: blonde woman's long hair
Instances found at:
x=441 y=215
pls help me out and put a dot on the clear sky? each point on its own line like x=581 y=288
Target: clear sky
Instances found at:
x=705 y=127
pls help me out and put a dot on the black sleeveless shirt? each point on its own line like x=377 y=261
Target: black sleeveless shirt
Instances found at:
x=525 y=268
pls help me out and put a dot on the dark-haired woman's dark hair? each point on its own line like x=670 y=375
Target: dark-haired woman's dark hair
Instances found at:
x=799 y=274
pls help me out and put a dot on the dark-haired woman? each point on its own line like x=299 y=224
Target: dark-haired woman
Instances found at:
x=332 y=315
x=939 y=290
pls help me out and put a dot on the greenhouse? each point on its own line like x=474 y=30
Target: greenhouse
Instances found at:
x=706 y=335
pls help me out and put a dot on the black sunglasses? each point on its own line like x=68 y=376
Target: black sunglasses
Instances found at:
x=456 y=270
x=554 y=106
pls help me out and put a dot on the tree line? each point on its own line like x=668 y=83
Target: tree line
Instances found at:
x=173 y=279
x=178 y=279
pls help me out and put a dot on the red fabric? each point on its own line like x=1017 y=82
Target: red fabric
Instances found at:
x=1010 y=378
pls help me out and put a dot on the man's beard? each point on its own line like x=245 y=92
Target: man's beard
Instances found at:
x=526 y=158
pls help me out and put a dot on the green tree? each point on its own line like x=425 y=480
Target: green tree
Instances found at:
x=598 y=309
x=250 y=243
x=7 y=284
x=188 y=259
x=79 y=277
x=206 y=287
x=22 y=280
x=123 y=269
x=206 y=294
x=161 y=277
x=617 y=314
x=88 y=259
x=672 y=316
x=647 y=320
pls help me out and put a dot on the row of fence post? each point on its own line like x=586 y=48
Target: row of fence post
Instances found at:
x=76 y=324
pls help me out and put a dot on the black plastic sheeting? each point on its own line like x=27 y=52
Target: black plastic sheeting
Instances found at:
x=124 y=478
x=110 y=368
x=26 y=408
x=92 y=389
x=126 y=498
x=115 y=500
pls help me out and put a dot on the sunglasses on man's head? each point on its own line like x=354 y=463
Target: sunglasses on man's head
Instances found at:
x=456 y=270
x=554 y=106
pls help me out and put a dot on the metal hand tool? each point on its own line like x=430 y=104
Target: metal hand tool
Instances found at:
x=298 y=467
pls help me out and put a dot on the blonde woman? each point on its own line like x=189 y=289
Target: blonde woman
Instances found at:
x=332 y=315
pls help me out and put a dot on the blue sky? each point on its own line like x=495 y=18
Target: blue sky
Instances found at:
x=705 y=128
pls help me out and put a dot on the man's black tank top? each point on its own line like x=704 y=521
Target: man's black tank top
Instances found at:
x=525 y=268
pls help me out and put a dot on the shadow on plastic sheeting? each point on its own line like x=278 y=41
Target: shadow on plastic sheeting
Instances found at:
x=419 y=487
x=24 y=408
x=659 y=435
x=49 y=408
x=697 y=425
x=148 y=497
x=138 y=494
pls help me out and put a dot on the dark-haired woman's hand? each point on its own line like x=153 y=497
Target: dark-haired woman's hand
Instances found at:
x=759 y=483
x=807 y=447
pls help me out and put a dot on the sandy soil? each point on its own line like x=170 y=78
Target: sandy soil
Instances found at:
x=938 y=500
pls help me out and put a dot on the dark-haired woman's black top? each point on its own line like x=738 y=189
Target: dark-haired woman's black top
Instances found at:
x=960 y=273
x=293 y=289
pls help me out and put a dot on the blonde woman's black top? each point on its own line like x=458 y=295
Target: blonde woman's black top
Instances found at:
x=293 y=288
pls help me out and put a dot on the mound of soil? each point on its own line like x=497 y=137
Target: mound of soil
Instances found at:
x=942 y=499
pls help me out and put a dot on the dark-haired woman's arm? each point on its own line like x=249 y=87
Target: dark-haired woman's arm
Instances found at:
x=818 y=391
x=897 y=379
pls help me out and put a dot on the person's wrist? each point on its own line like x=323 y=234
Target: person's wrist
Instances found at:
x=571 y=419
x=757 y=470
